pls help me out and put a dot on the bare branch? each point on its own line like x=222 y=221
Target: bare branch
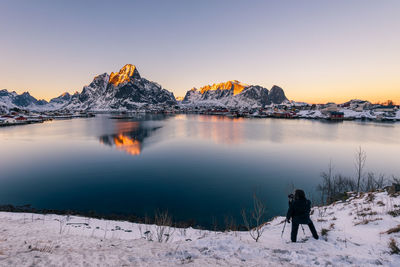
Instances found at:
x=256 y=229
x=359 y=164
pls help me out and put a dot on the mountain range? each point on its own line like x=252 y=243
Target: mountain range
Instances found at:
x=234 y=94
x=127 y=90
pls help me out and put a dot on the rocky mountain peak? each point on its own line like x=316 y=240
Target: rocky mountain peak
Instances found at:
x=234 y=85
x=277 y=95
x=124 y=75
x=234 y=94
x=66 y=95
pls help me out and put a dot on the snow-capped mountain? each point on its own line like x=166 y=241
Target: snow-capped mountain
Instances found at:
x=9 y=100
x=125 y=90
x=234 y=94
x=62 y=99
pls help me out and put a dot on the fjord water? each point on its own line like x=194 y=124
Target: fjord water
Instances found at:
x=196 y=167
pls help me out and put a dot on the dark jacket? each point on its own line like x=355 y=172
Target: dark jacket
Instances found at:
x=299 y=211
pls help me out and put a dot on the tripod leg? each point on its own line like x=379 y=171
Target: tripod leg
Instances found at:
x=283 y=229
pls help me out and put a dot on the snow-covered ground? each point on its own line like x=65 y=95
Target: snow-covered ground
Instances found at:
x=356 y=236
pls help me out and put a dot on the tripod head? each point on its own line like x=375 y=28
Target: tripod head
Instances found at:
x=291 y=198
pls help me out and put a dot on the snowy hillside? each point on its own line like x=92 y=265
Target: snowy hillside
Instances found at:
x=356 y=232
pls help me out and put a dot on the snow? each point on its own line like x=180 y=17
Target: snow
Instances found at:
x=213 y=98
x=311 y=114
x=50 y=240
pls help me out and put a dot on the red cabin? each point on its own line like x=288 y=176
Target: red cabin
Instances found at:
x=20 y=118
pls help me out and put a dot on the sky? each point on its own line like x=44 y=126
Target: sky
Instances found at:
x=317 y=51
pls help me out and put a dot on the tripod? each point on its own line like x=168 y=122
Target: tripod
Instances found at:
x=291 y=197
x=283 y=230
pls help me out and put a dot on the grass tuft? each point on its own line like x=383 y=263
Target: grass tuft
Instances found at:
x=324 y=231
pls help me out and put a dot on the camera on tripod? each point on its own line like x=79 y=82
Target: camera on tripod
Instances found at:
x=291 y=198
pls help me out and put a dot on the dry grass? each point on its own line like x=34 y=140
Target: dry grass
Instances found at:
x=393 y=230
x=370 y=197
x=380 y=203
x=394 y=249
x=394 y=213
x=47 y=249
x=365 y=214
x=396 y=194
x=366 y=221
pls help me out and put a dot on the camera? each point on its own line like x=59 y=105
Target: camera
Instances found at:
x=291 y=198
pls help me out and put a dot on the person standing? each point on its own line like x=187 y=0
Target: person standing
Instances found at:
x=299 y=213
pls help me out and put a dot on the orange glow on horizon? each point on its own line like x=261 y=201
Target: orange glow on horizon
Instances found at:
x=300 y=88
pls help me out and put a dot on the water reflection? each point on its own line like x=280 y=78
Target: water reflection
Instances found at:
x=219 y=129
x=130 y=137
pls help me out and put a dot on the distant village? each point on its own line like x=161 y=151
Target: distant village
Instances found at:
x=352 y=110
x=18 y=116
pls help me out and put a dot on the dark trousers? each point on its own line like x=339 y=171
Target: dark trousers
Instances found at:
x=295 y=228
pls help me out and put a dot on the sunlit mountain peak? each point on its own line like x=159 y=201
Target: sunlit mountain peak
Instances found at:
x=234 y=85
x=124 y=74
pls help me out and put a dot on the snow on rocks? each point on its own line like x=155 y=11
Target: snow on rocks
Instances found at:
x=355 y=235
x=311 y=114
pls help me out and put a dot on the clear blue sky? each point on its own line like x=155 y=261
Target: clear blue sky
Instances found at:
x=315 y=50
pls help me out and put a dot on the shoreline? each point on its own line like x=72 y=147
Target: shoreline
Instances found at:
x=133 y=114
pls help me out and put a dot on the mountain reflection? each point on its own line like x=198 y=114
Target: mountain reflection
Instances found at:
x=129 y=138
x=128 y=144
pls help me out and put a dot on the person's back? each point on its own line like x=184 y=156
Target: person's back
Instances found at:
x=299 y=212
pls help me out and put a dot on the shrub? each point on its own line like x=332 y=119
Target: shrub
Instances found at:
x=164 y=228
x=324 y=231
x=394 y=213
x=255 y=224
